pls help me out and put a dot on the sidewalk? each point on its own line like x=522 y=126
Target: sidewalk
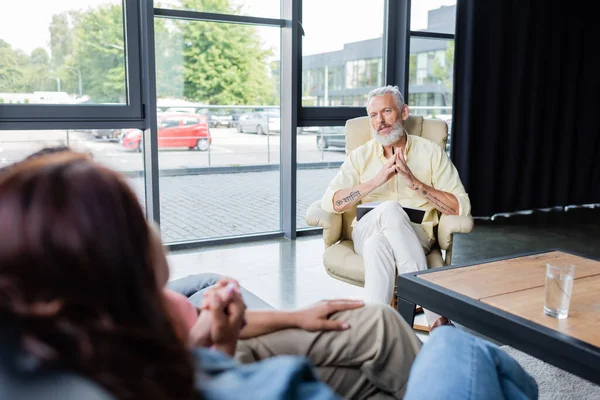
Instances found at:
x=208 y=206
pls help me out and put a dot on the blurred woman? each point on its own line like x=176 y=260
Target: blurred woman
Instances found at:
x=81 y=277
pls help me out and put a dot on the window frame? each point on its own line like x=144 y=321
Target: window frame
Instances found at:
x=131 y=115
x=395 y=67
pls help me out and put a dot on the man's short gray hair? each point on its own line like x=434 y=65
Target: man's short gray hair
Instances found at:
x=384 y=90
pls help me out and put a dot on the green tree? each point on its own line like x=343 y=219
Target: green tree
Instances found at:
x=61 y=39
x=98 y=52
x=12 y=64
x=37 y=71
x=224 y=63
x=168 y=44
x=412 y=70
x=39 y=56
x=213 y=63
x=443 y=72
x=61 y=48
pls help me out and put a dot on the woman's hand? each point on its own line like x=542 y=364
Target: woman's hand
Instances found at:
x=316 y=317
x=222 y=316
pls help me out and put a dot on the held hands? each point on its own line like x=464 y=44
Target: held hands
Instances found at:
x=396 y=165
x=404 y=171
x=222 y=317
x=386 y=172
x=316 y=317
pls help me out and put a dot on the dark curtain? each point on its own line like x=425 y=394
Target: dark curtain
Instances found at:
x=526 y=124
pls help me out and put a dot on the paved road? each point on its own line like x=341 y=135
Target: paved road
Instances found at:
x=229 y=148
x=203 y=206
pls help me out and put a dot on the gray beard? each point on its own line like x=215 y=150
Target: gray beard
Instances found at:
x=392 y=138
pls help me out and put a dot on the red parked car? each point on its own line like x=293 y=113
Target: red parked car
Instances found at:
x=175 y=130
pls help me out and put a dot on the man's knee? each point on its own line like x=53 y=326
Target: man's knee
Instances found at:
x=377 y=249
x=376 y=241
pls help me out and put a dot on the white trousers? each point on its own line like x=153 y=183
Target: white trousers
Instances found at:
x=389 y=244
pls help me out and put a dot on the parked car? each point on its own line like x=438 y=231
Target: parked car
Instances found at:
x=310 y=130
x=175 y=130
x=220 y=118
x=107 y=134
x=261 y=122
x=331 y=136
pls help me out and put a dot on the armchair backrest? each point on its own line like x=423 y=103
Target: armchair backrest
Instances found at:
x=358 y=132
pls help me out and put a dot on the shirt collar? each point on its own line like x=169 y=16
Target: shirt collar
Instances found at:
x=406 y=149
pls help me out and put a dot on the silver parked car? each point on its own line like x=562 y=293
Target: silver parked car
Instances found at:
x=331 y=136
x=261 y=122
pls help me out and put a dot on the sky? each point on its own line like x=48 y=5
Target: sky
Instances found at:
x=328 y=24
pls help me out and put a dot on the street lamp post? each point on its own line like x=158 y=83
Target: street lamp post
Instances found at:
x=79 y=76
x=114 y=46
x=57 y=81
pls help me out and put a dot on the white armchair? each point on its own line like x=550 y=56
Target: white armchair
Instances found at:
x=339 y=258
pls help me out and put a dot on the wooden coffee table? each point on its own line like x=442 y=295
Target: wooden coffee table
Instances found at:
x=503 y=299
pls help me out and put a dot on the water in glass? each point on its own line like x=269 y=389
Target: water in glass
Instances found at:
x=559 y=286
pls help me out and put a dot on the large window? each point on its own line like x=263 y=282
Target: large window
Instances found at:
x=341 y=62
x=321 y=150
x=214 y=86
x=101 y=144
x=430 y=77
x=431 y=63
x=70 y=60
x=218 y=128
x=363 y=73
x=67 y=53
x=343 y=49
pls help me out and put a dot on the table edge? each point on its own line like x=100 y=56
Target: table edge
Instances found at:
x=510 y=329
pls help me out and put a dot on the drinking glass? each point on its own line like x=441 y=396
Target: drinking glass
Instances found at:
x=559 y=287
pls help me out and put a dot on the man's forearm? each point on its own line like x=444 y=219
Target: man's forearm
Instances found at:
x=445 y=202
x=346 y=198
x=263 y=322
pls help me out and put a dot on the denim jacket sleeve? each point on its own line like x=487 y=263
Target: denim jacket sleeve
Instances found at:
x=283 y=377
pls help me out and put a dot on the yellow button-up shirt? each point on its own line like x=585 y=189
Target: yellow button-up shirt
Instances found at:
x=428 y=163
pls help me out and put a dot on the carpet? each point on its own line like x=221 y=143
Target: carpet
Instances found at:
x=554 y=383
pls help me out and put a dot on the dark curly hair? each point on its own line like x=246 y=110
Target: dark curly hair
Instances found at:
x=80 y=275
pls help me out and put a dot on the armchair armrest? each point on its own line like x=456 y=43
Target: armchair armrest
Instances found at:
x=450 y=224
x=331 y=223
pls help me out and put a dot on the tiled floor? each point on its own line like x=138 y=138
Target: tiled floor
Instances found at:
x=286 y=274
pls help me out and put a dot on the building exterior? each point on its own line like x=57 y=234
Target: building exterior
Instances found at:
x=344 y=77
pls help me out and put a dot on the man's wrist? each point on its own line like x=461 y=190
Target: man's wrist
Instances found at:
x=370 y=185
x=416 y=185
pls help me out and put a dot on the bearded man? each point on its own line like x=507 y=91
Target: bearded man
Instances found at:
x=398 y=170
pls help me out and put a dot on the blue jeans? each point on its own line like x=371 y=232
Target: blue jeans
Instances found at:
x=194 y=286
x=456 y=365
